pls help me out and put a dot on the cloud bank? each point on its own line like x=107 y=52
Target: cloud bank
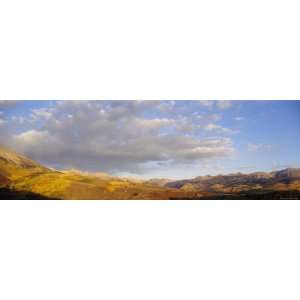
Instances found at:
x=121 y=136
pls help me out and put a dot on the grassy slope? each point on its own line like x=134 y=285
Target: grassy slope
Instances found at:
x=60 y=185
x=41 y=183
x=27 y=179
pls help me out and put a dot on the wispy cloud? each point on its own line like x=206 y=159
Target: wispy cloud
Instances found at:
x=220 y=129
x=222 y=104
x=240 y=118
x=259 y=147
x=206 y=103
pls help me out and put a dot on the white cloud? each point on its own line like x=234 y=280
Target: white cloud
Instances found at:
x=259 y=147
x=121 y=136
x=220 y=129
x=31 y=137
x=239 y=118
x=206 y=103
x=153 y=123
x=222 y=104
x=2 y=120
x=45 y=113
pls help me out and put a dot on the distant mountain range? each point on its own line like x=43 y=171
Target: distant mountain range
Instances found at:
x=239 y=184
x=23 y=178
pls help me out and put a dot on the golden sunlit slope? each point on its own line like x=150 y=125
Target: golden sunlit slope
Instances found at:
x=21 y=174
x=23 y=178
x=10 y=157
x=4 y=181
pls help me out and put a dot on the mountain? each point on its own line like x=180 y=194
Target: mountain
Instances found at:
x=23 y=178
x=291 y=173
x=90 y=174
x=239 y=184
x=159 y=181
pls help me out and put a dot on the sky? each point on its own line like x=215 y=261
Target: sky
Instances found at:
x=161 y=139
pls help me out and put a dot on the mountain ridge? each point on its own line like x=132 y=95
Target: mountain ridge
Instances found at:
x=288 y=172
x=276 y=180
x=25 y=178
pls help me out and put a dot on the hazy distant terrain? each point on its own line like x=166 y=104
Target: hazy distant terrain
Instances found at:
x=23 y=178
x=259 y=185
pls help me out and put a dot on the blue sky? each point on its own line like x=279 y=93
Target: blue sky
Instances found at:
x=176 y=139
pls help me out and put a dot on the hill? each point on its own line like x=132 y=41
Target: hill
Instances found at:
x=10 y=158
x=22 y=178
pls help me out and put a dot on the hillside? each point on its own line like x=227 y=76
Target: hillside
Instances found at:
x=10 y=158
x=22 y=178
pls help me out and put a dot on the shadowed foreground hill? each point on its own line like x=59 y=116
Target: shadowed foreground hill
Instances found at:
x=10 y=194
x=22 y=178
